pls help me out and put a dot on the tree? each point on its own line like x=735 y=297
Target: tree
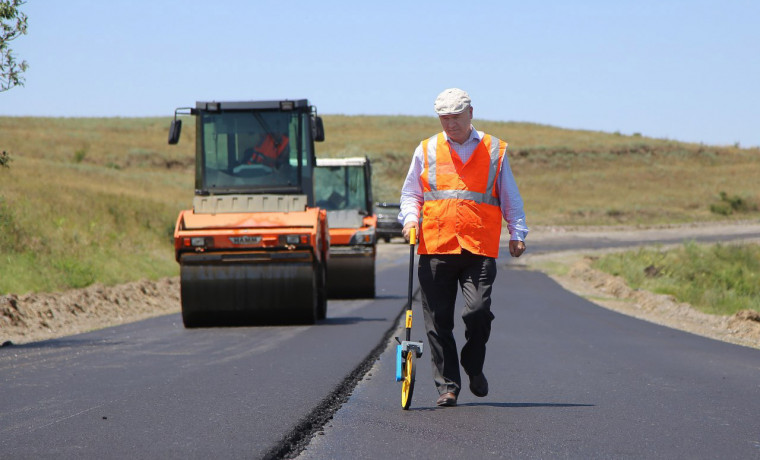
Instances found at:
x=12 y=25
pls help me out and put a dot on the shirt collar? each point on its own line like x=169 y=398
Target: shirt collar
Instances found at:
x=474 y=136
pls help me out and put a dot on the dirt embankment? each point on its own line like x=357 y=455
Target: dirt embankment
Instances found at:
x=34 y=317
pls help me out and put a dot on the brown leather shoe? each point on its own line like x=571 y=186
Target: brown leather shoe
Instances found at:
x=447 y=400
x=479 y=385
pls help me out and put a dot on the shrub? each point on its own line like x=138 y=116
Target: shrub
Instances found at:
x=79 y=155
x=5 y=159
x=730 y=204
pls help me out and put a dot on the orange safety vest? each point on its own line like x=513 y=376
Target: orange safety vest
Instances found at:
x=461 y=208
x=268 y=152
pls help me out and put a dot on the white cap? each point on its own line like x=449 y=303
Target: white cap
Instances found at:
x=452 y=101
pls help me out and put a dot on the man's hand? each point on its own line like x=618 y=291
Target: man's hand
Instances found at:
x=516 y=248
x=407 y=229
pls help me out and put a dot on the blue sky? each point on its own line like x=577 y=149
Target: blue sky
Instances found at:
x=675 y=69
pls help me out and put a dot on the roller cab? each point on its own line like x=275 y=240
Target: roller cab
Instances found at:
x=343 y=187
x=254 y=248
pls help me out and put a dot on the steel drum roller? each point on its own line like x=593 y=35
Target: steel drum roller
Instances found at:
x=351 y=275
x=252 y=293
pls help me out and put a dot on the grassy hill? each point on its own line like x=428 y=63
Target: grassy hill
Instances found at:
x=85 y=200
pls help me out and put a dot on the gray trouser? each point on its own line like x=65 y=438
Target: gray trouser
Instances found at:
x=439 y=276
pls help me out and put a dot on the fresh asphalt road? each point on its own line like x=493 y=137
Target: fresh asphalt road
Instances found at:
x=153 y=389
x=568 y=379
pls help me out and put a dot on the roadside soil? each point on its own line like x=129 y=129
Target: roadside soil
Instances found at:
x=40 y=316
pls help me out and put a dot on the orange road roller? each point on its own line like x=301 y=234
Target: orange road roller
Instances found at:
x=254 y=248
x=343 y=186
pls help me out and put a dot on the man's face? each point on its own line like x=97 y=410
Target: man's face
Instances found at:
x=457 y=126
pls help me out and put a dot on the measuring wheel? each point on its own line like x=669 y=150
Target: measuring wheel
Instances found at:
x=408 y=351
x=407 y=383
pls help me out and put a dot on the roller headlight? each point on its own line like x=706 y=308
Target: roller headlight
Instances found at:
x=364 y=237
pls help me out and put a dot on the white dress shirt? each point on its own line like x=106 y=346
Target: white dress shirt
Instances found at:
x=511 y=203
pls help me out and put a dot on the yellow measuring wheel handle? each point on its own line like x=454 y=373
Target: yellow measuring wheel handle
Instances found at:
x=408 y=351
x=412 y=241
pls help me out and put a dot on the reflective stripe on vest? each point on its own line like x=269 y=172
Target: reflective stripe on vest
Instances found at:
x=462 y=195
x=448 y=225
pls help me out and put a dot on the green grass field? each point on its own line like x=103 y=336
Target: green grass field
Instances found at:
x=85 y=200
x=719 y=279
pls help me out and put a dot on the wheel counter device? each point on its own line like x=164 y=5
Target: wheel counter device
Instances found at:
x=254 y=248
x=407 y=352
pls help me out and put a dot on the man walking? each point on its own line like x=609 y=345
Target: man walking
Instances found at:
x=458 y=188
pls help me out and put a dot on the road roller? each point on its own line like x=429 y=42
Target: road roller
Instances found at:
x=343 y=186
x=254 y=248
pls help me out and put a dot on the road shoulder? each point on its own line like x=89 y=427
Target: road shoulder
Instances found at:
x=573 y=271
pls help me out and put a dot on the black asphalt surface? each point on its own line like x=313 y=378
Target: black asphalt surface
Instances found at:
x=568 y=380
x=153 y=389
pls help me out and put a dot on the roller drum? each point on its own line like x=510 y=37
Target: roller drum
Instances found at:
x=351 y=275
x=248 y=293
